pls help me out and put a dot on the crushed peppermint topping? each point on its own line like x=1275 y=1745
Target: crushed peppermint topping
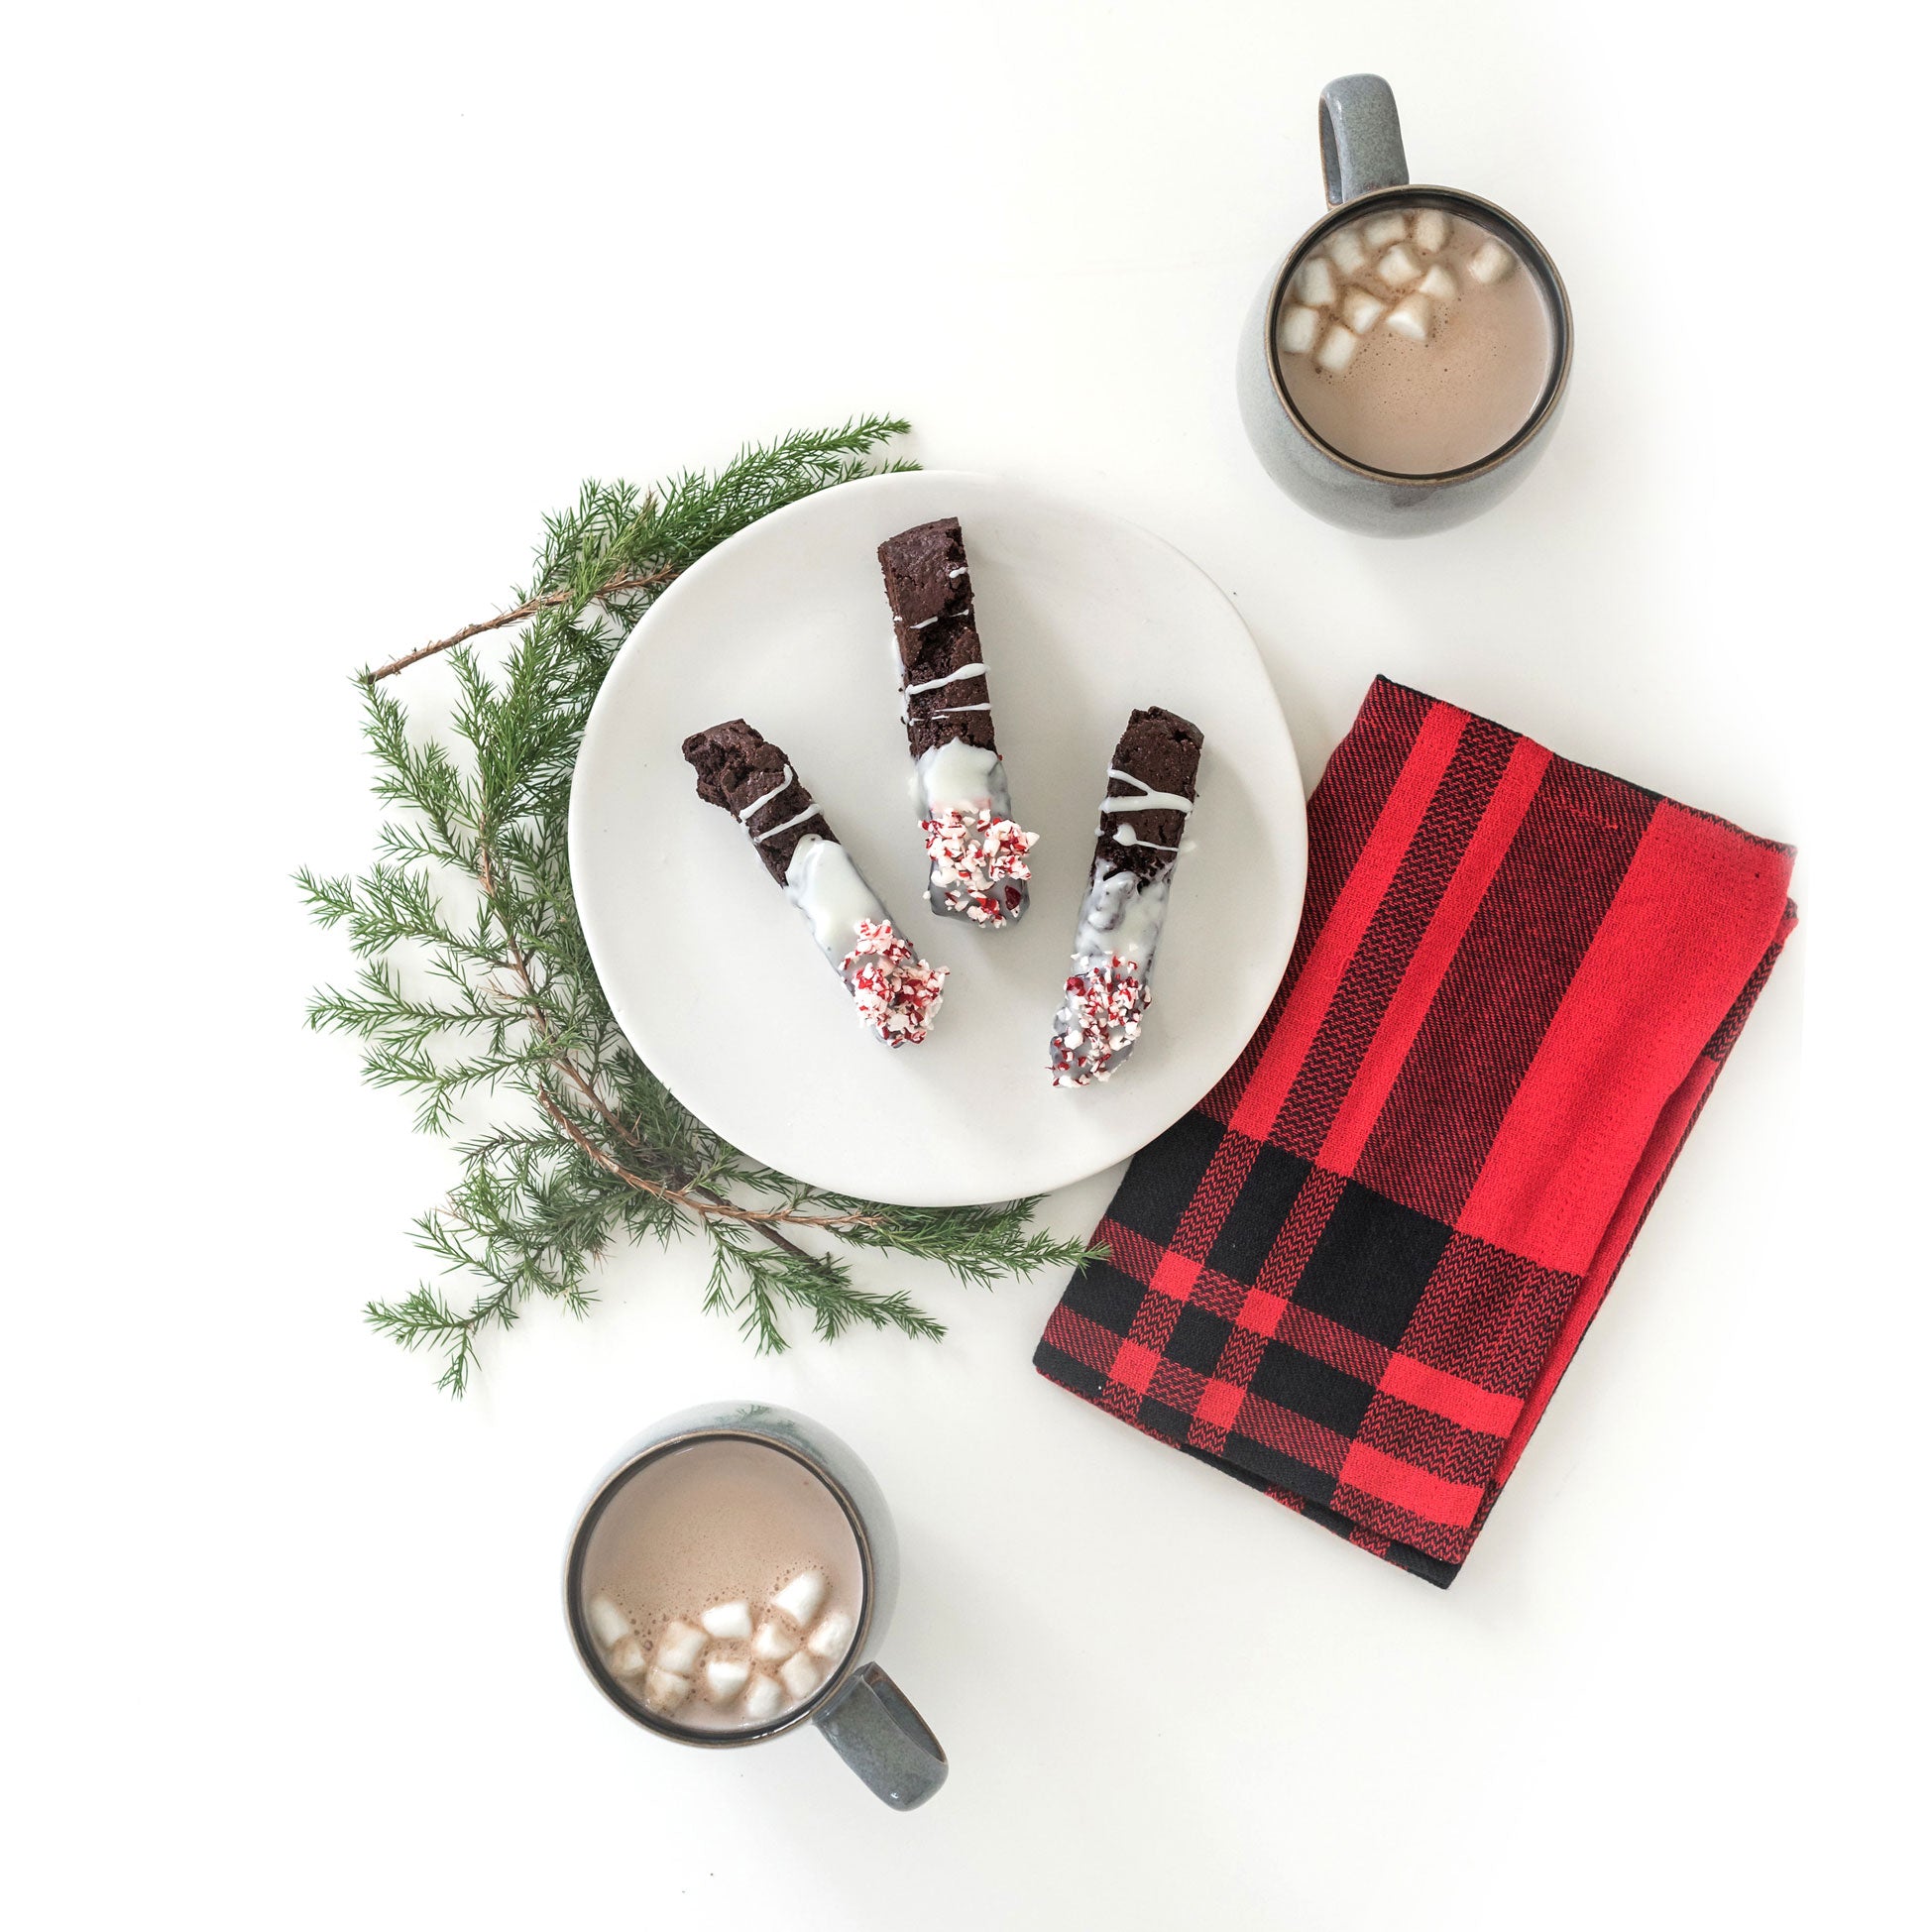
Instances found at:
x=1099 y=1020
x=979 y=862
x=896 y=994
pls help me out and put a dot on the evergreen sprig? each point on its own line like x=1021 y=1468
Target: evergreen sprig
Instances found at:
x=474 y=985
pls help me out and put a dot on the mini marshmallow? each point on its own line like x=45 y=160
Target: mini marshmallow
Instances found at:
x=1360 y=311
x=1345 y=249
x=725 y=1678
x=1314 y=281
x=773 y=1644
x=1491 y=262
x=608 y=1624
x=1398 y=267
x=727 y=1620
x=1299 y=327
x=1431 y=230
x=626 y=1657
x=828 y=1640
x=762 y=1697
x=1337 y=346
x=680 y=1648
x=1411 y=318
x=665 y=1690
x=1440 y=281
x=1385 y=229
x=799 y=1674
x=799 y=1598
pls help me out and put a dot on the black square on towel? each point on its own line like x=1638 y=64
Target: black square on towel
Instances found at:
x=1371 y=1264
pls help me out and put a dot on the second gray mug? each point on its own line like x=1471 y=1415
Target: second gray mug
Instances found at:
x=1363 y=168
x=858 y=1709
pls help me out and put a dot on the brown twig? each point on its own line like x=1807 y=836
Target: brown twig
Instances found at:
x=702 y=1200
x=616 y=586
x=539 y=1019
x=696 y=1201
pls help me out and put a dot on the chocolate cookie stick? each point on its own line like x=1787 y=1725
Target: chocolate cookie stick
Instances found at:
x=895 y=994
x=1150 y=793
x=976 y=853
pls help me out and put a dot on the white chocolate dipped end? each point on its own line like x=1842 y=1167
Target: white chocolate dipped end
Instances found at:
x=828 y=888
x=1105 y=996
x=975 y=852
x=895 y=992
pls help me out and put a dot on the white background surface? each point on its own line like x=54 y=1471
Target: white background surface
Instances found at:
x=312 y=316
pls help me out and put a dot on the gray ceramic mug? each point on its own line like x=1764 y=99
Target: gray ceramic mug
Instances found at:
x=861 y=1711
x=1363 y=166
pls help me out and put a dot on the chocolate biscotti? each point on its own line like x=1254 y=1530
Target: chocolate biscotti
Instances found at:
x=895 y=994
x=1151 y=786
x=976 y=853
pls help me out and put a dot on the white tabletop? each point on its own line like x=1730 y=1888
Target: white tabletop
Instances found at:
x=331 y=310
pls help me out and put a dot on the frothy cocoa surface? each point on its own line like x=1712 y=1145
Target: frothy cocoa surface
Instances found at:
x=1353 y=366
x=718 y=1523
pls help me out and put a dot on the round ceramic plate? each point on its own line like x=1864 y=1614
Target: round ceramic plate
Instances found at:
x=714 y=978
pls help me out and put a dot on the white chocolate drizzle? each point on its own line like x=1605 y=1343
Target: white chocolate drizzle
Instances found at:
x=773 y=831
x=1126 y=835
x=959 y=570
x=757 y=805
x=1149 y=798
x=951 y=677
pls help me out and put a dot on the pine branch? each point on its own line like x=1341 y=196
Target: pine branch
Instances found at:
x=618 y=545
x=474 y=978
x=618 y=586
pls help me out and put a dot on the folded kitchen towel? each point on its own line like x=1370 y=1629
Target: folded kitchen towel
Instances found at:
x=1352 y=1276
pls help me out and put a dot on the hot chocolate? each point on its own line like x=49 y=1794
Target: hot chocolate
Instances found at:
x=1414 y=341
x=723 y=1586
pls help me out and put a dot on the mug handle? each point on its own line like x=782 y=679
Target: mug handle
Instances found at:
x=1361 y=138
x=872 y=1725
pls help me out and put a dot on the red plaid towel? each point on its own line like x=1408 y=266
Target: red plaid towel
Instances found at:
x=1353 y=1274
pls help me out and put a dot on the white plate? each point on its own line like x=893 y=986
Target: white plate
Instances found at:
x=714 y=978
